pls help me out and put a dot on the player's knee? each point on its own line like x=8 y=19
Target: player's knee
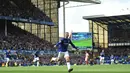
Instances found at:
x=67 y=59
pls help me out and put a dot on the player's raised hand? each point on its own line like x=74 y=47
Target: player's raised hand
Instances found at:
x=70 y=35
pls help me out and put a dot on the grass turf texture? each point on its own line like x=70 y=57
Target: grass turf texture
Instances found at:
x=63 y=69
x=81 y=43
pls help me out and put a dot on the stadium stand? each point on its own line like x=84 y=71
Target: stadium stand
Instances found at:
x=111 y=33
x=23 y=44
x=18 y=38
x=22 y=9
x=119 y=33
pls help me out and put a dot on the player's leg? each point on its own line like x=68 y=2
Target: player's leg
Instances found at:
x=60 y=55
x=100 y=60
x=7 y=62
x=86 y=60
x=56 y=59
x=112 y=61
x=67 y=58
x=53 y=59
x=103 y=60
x=34 y=60
x=37 y=61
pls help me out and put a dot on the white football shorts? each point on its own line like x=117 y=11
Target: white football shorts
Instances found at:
x=65 y=54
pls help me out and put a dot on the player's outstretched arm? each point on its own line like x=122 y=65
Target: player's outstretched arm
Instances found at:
x=73 y=45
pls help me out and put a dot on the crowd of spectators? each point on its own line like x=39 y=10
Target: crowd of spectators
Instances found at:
x=119 y=51
x=22 y=9
x=21 y=39
x=119 y=33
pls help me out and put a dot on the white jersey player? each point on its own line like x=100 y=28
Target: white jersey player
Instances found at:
x=86 y=57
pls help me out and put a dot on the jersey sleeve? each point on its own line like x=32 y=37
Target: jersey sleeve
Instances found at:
x=73 y=45
x=60 y=42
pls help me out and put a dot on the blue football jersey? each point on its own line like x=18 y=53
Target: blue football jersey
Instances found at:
x=63 y=44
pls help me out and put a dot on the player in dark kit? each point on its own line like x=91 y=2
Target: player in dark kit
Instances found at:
x=7 y=57
x=102 y=56
x=63 y=50
x=36 y=58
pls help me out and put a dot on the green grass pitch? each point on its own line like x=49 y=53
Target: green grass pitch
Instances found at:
x=63 y=69
x=81 y=43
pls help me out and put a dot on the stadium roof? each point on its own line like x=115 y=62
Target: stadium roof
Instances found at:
x=86 y=1
x=109 y=19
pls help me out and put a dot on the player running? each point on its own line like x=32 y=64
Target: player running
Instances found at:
x=36 y=58
x=63 y=50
